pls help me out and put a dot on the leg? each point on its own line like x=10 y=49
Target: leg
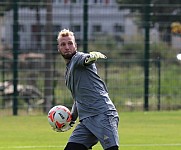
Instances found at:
x=113 y=148
x=75 y=146
x=83 y=136
x=105 y=128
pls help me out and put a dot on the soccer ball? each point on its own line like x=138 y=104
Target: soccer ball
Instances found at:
x=59 y=118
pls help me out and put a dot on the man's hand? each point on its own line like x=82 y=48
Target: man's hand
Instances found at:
x=57 y=130
x=67 y=127
x=97 y=55
x=94 y=56
x=71 y=124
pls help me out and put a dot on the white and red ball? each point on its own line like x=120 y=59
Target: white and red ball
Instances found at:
x=59 y=117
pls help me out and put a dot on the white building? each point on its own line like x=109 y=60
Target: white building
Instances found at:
x=104 y=18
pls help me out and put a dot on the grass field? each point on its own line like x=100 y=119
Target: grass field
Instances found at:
x=137 y=131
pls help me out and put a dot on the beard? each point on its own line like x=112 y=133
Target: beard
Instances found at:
x=68 y=56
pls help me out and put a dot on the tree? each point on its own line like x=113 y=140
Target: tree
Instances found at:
x=163 y=12
x=36 y=5
x=48 y=90
x=6 y=5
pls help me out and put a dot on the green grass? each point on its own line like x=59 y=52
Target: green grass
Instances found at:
x=137 y=131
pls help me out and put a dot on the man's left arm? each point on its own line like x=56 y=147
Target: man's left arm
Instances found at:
x=74 y=114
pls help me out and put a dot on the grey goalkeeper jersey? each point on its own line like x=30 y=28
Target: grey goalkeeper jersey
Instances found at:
x=88 y=90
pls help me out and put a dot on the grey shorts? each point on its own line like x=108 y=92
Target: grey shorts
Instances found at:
x=102 y=128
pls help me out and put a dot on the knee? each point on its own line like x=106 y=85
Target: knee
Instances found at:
x=113 y=148
x=75 y=146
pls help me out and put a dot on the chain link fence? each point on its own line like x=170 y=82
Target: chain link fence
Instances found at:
x=141 y=72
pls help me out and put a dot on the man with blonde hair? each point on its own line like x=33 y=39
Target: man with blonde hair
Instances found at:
x=98 y=117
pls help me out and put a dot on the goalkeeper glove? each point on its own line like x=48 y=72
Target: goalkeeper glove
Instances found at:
x=71 y=124
x=94 y=56
x=67 y=127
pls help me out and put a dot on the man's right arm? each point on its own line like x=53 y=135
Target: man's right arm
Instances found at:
x=93 y=56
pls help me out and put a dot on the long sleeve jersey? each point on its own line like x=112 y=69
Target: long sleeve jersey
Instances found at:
x=88 y=90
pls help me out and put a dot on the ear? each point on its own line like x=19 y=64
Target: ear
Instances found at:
x=75 y=46
x=58 y=48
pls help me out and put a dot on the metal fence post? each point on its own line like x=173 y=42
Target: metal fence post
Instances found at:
x=159 y=82
x=85 y=26
x=147 y=47
x=15 y=57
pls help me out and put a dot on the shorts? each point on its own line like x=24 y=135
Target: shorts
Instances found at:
x=102 y=128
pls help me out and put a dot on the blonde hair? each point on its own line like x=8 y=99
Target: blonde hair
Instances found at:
x=64 y=33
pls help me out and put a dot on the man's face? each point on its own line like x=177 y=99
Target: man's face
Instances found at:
x=67 y=46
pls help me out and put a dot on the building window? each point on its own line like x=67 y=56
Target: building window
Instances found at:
x=98 y=1
x=73 y=1
x=118 y=28
x=38 y=37
x=107 y=1
x=76 y=28
x=96 y=28
x=22 y=28
x=56 y=29
x=57 y=1
x=66 y=1
x=95 y=1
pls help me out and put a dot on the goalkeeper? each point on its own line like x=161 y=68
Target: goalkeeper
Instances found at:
x=98 y=118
